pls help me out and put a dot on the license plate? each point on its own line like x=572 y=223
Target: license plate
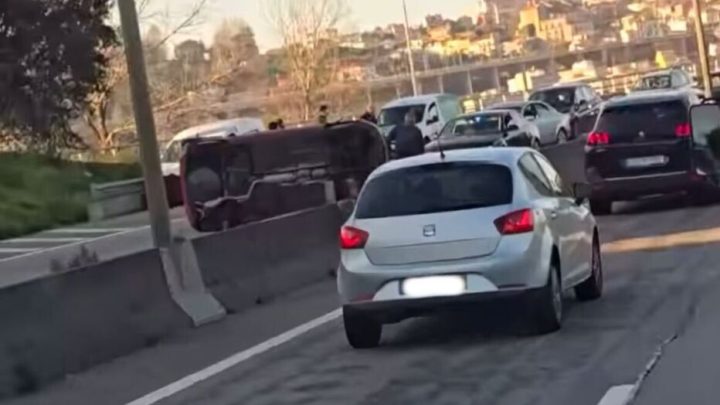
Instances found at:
x=647 y=161
x=434 y=286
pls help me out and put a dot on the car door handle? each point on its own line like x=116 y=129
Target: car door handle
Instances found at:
x=553 y=214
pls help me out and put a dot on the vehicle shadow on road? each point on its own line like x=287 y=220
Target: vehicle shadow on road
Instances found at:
x=486 y=323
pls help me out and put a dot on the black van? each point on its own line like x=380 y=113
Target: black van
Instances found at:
x=642 y=144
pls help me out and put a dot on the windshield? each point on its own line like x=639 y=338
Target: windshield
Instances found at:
x=481 y=124
x=657 y=120
x=396 y=115
x=435 y=188
x=172 y=152
x=654 y=83
x=560 y=99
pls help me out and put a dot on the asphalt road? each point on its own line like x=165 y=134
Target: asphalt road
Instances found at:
x=481 y=357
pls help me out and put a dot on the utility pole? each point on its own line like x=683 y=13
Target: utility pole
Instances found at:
x=145 y=124
x=702 y=49
x=411 y=62
x=179 y=262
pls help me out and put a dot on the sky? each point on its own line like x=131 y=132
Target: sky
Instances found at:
x=365 y=14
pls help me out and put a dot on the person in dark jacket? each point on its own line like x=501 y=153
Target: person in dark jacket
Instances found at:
x=406 y=140
x=369 y=115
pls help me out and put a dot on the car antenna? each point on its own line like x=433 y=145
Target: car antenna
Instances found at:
x=440 y=149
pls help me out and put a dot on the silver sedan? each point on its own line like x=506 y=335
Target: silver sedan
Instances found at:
x=553 y=125
x=436 y=231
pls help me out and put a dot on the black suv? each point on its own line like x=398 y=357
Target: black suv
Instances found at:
x=578 y=100
x=642 y=145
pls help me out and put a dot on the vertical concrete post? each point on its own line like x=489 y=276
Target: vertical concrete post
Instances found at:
x=470 y=87
x=441 y=83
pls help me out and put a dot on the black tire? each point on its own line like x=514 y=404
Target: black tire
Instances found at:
x=592 y=288
x=600 y=206
x=361 y=331
x=562 y=136
x=547 y=305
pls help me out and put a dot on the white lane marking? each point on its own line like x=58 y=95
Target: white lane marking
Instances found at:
x=77 y=244
x=17 y=250
x=232 y=361
x=618 y=395
x=81 y=231
x=43 y=240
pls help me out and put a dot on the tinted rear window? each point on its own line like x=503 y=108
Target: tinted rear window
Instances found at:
x=435 y=188
x=561 y=99
x=657 y=120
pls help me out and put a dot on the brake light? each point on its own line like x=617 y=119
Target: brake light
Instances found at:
x=598 y=138
x=683 y=130
x=353 y=238
x=522 y=221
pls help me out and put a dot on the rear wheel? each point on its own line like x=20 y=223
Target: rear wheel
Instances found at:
x=547 y=307
x=592 y=288
x=361 y=331
x=600 y=206
x=562 y=136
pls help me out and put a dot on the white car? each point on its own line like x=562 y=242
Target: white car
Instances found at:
x=430 y=233
x=431 y=111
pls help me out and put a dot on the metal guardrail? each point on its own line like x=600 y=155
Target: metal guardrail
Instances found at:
x=104 y=191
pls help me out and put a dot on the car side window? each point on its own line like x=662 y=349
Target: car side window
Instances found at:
x=534 y=174
x=432 y=112
x=530 y=111
x=541 y=109
x=590 y=95
x=553 y=176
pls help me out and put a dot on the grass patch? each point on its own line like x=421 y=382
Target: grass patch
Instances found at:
x=37 y=192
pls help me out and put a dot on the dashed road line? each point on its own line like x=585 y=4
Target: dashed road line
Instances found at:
x=618 y=395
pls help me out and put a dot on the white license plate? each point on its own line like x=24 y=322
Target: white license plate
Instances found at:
x=646 y=161
x=434 y=286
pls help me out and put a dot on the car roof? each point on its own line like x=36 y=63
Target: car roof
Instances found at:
x=489 y=111
x=423 y=99
x=558 y=86
x=648 y=97
x=243 y=125
x=664 y=72
x=506 y=156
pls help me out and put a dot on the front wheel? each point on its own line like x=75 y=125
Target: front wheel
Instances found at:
x=361 y=331
x=562 y=136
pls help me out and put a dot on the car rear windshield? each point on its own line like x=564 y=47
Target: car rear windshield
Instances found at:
x=561 y=99
x=434 y=188
x=396 y=115
x=655 y=120
x=654 y=82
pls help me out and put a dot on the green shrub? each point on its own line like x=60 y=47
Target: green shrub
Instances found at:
x=37 y=192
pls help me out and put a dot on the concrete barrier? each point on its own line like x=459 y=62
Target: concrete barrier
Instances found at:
x=260 y=261
x=68 y=322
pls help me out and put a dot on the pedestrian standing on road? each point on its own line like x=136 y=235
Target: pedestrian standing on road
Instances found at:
x=369 y=114
x=406 y=140
x=323 y=115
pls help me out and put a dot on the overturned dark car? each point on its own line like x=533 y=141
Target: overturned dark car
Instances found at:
x=235 y=180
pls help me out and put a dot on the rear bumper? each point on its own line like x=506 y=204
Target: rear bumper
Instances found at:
x=396 y=310
x=631 y=187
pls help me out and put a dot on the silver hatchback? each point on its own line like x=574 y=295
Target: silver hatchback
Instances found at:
x=436 y=232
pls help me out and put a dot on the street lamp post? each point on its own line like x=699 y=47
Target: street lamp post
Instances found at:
x=411 y=62
x=702 y=49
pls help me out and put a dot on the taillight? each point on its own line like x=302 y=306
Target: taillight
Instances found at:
x=598 y=138
x=353 y=238
x=516 y=222
x=683 y=130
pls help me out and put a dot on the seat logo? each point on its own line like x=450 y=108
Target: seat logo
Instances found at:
x=429 y=231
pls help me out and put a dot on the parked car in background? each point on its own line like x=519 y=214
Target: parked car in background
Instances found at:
x=553 y=125
x=430 y=234
x=487 y=128
x=670 y=79
x=642 y=145
x=219 y=129
x=578 y=100
x=431 y=111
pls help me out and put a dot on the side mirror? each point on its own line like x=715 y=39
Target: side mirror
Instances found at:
x=512 y=127
x=432 y=120
x=581 y=192
x=530 y=117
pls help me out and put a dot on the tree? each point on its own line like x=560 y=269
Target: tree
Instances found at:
x=308 y=30
x=52 y=59
x=97 y=112
x=233 y=43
